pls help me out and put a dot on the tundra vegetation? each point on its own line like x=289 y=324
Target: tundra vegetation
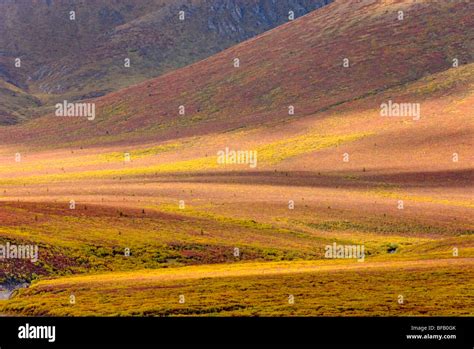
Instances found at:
x=143 y=211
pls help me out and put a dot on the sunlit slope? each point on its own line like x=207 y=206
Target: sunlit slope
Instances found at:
x=380 y=149
x=300 y=64
x=298 y=289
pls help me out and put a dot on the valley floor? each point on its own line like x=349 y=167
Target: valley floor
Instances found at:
x=407 y=288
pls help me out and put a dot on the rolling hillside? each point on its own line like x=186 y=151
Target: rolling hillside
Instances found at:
x=298 y=64
x=64 y=57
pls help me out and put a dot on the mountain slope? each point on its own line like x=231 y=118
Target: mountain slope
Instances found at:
x=298 y=64
x=85 y=57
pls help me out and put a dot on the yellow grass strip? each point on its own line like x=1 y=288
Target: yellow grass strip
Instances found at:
x=248 y=269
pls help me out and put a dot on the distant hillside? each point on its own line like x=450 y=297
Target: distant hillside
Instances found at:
x=84 y=57
x=299 y=64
